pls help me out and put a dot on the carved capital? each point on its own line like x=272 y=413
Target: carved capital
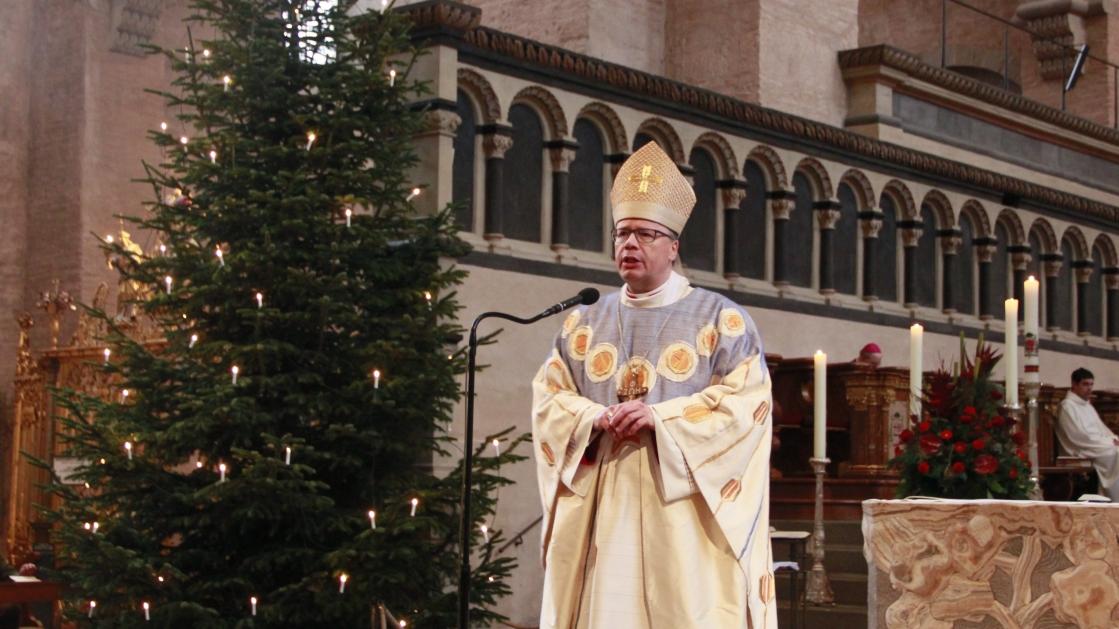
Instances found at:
x=826 y=219
x=1083 y=274
x=1111 y=280
x=870 y=227
x=1052 y=268
x=495 y=145
x=561 y=158
x=910 y=236
x=781 y=209
x=1021 y=260
x=442 y=122
x=732 y=197
x=950 y=244
x=985 y=252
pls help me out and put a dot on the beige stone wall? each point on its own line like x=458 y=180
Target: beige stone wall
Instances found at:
x=714 y=44
x=15 y=50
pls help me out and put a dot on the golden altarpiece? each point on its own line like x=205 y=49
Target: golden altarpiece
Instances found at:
x=30 y=429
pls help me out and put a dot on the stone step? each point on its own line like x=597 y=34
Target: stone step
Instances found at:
x=844 y=558
x=849 y=589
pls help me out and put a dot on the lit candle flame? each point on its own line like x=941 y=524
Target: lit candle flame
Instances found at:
x=415 y=193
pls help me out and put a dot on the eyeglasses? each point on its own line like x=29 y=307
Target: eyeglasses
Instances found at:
x=644 y=236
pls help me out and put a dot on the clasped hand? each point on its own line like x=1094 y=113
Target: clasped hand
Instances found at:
x=625 y=419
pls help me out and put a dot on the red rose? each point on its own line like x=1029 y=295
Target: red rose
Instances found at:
x=924 y=426
x=996 y=395
x=923 y=467
x=985 y=464
x=1013 y=473
x=1019 y=438
x=957 y=468
x=946 y=434
x=906 y=436
x=1022 y=454
x=930 y=444
x=970 y=411
x=960 y=447
x=898 y=450
x=977 y=444
x=997 y=421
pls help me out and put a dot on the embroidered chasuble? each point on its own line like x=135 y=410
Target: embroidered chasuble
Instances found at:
x=1082 y=433
x=669 y=528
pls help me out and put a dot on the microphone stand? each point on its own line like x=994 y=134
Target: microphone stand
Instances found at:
x=468 y=459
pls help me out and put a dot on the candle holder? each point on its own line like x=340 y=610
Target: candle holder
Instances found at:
x=1033 y=389
x=818 y=590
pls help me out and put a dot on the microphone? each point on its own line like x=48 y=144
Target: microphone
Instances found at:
x=586 y=297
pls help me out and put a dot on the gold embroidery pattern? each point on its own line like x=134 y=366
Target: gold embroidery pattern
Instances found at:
x=697 y=413
x=558 y=379
x=706 y=340
x=549 y=456
x=643 y=369
x=677 y=362
x=731 y=490
x=601 y=362
x=731 y=323
x=570 y=322
x=761 y=412
x=579 y=342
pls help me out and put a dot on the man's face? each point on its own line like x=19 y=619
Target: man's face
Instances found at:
x=1084 y=387
x=644 y=266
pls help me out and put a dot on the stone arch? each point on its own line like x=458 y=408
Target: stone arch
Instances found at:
x=941 y=208
x=478 y=88
x=540 y=99
x=1046 y=235
x=721 y=150
x=771 y=164
x=817 y=175
x=1106 y=246
x=979 y=219
x=611 y=126
x=903 y=200
x=860 y=185
x=1080 y=248
x=1009 y=219
x=666 y=136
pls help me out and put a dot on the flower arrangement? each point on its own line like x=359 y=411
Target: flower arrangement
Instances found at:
x=963 y=446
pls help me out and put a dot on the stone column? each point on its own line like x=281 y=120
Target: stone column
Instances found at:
x=496 y=140
x=870 y=223
x=1111 y=281
x=780 y=206
x=1083 y=271
x=827 y=215
x=1052 y=265
x=985 y=249
x=434 y=147
x=561 y=153
x=734 y=191
x=1020 y=259
x=910 y=234
x=950 y=241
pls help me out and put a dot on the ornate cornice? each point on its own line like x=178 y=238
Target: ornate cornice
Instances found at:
x=966 y=86
x=441 y=17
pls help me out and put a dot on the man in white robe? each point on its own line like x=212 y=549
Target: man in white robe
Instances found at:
x=1082 y=433
x=651 y=428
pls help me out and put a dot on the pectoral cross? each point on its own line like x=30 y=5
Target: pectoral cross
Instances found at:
x=645 y=178
x=632 y=385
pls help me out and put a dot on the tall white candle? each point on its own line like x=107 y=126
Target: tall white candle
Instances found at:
x=1011 y=358
x=916 y=340
x=820 y=401
x=1030 y=312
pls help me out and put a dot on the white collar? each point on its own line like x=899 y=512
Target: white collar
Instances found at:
x=1069 y=395
x=675 y=288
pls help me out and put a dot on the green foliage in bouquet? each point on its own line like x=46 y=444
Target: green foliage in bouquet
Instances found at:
x=963 y=445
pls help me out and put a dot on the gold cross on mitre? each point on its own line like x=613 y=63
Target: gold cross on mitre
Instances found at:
x=645 y=178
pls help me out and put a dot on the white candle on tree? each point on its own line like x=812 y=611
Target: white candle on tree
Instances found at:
x=916 y=339
x=1011 y=358
x=252 y=601
x=287 y=455
x=221 y=469
x=147 y=612
x=342 y=578
x=415 y=503
x=820 y=405
x=128 y=449
x=373 y=519
x=92 y=606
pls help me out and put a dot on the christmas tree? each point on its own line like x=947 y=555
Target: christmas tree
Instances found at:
x=268 y=462
x=965 y=444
